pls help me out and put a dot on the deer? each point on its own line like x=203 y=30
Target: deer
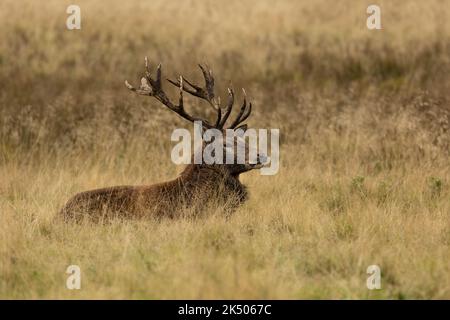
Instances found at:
x=196 y=184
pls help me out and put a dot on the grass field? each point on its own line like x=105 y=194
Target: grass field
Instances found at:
x=364 y=119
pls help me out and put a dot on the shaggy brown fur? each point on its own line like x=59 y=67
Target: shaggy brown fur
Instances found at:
x=192 y=189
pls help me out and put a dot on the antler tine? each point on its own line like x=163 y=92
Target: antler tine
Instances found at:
x=155 y=84
x=147 y=66
x=228 y=108
x=244 y=113
x=144 y=89
x=158 y=76
x=153 y=87
x=206 y=93
x=209 y=81
x=247 y=114
x=180 y=99
x=185 y=88
x=155 y=90
x=199 y=93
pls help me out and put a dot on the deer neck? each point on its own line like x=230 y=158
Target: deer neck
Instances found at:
x=196 y=171
x=208 y=180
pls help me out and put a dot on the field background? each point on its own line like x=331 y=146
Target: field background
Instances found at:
x=364 y=118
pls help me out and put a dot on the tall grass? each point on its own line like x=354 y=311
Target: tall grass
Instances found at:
x=364 y=118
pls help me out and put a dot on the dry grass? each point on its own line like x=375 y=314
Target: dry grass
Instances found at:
x=365 y=128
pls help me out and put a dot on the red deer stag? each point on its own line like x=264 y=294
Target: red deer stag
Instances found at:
x=197 y=184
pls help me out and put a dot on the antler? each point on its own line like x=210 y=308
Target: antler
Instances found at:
x=206 y=93
x=244 y=113
x=151 y=87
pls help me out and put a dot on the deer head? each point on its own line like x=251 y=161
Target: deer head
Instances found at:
x=153 y=87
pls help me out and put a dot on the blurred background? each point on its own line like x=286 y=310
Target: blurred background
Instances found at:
x=297 y=59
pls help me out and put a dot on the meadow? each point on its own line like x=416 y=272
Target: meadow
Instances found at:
x=364 y=119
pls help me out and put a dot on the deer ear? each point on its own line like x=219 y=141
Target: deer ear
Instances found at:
x=243 y=127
